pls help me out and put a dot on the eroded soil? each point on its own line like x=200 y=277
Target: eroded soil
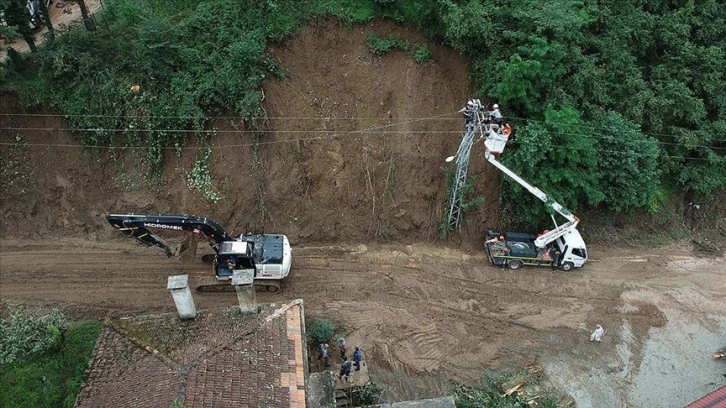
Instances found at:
x=350 y=169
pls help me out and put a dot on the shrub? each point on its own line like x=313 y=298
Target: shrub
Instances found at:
x=380 y=46
x=366 y=395
x=28 y=333
x=421 y=54
x=321 y=330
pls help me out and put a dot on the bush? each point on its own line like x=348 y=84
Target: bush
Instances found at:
x=321 y=330
x=421 y=54
x=366 y=395
x=30 y=333
x=380 y=46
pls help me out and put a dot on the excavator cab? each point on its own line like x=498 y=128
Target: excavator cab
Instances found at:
x=233 y=255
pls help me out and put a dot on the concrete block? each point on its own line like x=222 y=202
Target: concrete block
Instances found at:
x=178 y=286
x=243 y=277
x=243 y=281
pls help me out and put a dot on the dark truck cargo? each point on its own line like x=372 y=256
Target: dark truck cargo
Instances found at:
x=514 y=249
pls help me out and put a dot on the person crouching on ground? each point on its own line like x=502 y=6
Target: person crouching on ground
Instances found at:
x=597 y=334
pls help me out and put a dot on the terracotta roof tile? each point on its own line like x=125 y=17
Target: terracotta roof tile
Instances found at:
x=716 y=399
x=217 y=360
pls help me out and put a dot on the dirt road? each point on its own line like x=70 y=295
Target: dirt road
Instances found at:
x=441 y=315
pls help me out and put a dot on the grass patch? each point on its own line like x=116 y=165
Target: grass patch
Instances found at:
x=51 y=379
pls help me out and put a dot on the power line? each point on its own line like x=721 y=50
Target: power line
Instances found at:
x=451 y=116
x=324 y=134
x=252 y=144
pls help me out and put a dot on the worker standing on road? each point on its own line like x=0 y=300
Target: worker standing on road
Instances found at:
x=345 y=370
x=324 y=353
x=555 y=255
x=597 y=334
x=357 y=357
x=341 y=347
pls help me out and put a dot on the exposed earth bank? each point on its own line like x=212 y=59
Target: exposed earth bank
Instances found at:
x=349 y=167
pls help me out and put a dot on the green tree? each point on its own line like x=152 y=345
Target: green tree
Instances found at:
x=468 y=24
x=321 y=330
x=559 y=156
x=628 y=163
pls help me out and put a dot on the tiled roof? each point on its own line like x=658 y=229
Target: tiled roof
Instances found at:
x=716 y=399
x=122 y=374
x=218 y=360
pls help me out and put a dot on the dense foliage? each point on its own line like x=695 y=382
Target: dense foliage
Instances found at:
x=48 y=371
x=616 y=95
x=609 y=100
x=30 y=333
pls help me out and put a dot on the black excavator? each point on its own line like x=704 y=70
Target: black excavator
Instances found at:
x=268 y=255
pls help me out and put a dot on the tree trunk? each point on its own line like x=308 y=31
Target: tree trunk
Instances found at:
x=46 y=19
x=87 y=18
x=17 y=15
x=30 y=39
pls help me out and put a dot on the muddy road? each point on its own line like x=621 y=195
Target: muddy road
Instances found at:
x=440 y=314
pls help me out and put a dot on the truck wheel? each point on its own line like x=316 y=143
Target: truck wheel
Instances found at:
x=515 y=264
x=272 y=288
x=567 y=266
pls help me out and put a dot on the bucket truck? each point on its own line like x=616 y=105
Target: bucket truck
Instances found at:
x=561 y=247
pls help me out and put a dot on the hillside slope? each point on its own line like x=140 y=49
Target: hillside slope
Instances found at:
x=352 y=149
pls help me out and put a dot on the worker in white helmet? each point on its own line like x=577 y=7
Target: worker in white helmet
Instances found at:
x=496 y=115
x=468 y=112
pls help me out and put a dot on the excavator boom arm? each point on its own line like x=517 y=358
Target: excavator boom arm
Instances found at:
x=139 y=226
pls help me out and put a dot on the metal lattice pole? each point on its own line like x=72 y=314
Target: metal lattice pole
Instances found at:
x=462 y=166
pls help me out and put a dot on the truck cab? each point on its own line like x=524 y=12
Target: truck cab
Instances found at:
x=572 y=249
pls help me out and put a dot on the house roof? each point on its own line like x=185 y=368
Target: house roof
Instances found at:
x=217 y=360
x=716 y=399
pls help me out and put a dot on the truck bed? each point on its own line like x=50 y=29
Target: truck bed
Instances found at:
x=515 y=246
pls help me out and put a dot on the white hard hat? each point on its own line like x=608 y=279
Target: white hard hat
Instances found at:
x=470 y=103
x=495 y=106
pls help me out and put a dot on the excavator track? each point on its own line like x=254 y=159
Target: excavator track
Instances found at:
x=213 y=285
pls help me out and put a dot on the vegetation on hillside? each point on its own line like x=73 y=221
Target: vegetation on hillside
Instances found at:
x=610 y=101
x=43 y=358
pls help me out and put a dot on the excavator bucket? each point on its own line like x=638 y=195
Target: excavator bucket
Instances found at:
x=187 y=250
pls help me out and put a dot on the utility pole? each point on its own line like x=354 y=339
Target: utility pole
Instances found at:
x=474 y=126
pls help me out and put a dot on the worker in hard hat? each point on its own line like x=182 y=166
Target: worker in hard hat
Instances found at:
x=468 y=112
x=496 y=115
